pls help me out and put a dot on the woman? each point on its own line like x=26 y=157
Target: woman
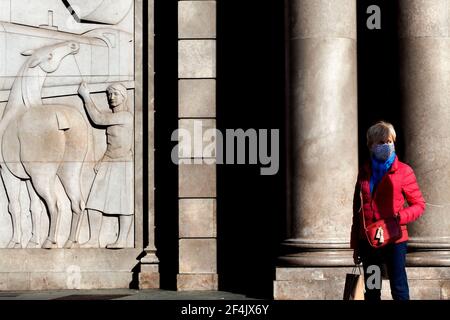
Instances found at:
x=384 y=182
x=111 y=192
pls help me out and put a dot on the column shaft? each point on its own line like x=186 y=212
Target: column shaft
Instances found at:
x=425 y=79
x=323 y=131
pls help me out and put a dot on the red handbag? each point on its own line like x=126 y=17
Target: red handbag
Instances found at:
x=381 y=232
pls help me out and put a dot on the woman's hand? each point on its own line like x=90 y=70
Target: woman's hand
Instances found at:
x=83 y=90
x=356 y=257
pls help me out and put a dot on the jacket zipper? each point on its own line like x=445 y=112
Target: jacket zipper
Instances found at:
x=375 y=191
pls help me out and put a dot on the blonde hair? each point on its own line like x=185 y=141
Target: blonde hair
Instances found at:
x=380 y=131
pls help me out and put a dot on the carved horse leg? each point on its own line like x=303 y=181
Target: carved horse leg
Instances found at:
x=36 y=210
x=70 y=170
x=43 y=178
x=73 y=191
x=12 y=187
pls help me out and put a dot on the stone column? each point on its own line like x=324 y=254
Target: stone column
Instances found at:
x=197 y=170
x=425 y=82
x=149 y=275
x=323 y=148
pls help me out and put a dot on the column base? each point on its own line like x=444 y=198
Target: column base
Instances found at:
x=425 y=283
x=316 y=258
x=428 y=258
x=197 y=282
x=149 y=277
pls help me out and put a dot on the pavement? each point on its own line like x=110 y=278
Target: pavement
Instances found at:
x=120 y=294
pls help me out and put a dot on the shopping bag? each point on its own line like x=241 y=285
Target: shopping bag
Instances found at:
x=354 y=285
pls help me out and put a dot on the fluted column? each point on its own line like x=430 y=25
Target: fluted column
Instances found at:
x=323 y=151
x=425 y=78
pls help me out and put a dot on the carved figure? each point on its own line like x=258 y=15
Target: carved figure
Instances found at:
x=112 y=190
x=40 y=143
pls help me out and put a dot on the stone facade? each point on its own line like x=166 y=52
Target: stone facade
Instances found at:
x=74 y=109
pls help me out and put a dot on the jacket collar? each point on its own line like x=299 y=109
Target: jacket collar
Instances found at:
x=394 y=166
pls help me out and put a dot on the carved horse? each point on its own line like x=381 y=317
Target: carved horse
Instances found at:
x=40 y=143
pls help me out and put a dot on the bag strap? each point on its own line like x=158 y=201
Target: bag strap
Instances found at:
x=362 y=206
x=357 y=266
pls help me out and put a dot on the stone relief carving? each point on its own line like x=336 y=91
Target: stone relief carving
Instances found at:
x=105 y=56
x=111 y=192
x=48 y=148
x=69 y=16
x=40 y=143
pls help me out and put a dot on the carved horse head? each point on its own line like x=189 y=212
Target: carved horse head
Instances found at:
x=49 y=58
x=27 y=88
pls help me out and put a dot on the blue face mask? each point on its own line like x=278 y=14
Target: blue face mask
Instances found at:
x=382 y=152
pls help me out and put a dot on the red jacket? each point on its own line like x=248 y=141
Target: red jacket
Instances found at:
x=398 y=184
